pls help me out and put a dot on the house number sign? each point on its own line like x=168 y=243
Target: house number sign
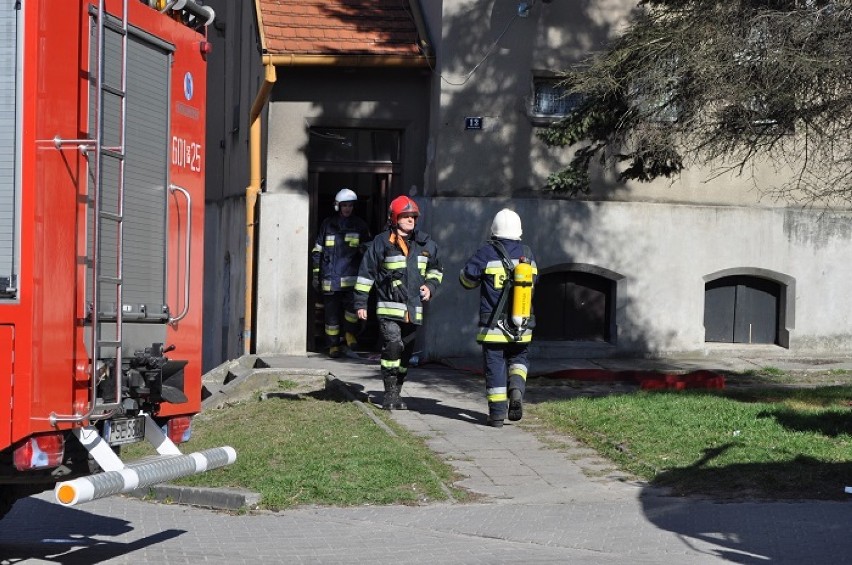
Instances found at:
x=473 y=123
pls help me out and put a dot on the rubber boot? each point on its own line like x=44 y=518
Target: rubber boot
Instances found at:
x=516 y=405
x=494 y=422
x=496 y=414
x=391 y=399
x=400 y=405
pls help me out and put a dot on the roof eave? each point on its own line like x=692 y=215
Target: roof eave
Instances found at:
x=346 y=60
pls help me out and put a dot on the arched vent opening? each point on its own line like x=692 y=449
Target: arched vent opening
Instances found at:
x=571 y=305
x=743 y=309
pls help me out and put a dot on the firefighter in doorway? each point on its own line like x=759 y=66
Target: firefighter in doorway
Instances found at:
x=336 y=256
x=505 y=271
x=403 y=265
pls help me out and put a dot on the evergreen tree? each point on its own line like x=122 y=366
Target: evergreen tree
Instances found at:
x=722 y=83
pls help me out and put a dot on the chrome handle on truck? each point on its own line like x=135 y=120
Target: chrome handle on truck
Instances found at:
x=175 y=188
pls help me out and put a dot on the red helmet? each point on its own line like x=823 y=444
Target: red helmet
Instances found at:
x=401 y=205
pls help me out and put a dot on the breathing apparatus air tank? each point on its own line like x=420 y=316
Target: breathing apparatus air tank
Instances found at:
x=522 y=293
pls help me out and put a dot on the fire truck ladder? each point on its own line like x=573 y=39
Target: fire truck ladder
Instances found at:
x=103 y=218
x=99 y=152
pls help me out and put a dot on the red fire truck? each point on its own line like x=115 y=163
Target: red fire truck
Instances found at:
x=102 y=130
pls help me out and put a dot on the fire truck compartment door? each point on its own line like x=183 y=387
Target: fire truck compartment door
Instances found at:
x=146 y=119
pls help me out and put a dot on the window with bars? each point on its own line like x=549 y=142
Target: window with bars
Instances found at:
x=550 y=100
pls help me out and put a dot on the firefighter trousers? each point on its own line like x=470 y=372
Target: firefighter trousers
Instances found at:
x=340 y=315
x=397 y=347
x=506 y=366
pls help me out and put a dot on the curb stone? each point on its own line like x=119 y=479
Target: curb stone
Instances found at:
x=252 y=381
x=232 y=499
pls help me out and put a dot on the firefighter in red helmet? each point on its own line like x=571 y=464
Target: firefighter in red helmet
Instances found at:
x=402 y=265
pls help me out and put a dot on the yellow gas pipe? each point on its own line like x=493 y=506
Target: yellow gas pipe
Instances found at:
x=252 y=192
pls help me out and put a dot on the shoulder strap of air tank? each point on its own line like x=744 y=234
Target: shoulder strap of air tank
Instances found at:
x=507 y=284
x=504 y=257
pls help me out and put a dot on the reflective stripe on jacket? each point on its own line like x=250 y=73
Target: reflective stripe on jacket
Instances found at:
x=397 y=278
x=336 y=255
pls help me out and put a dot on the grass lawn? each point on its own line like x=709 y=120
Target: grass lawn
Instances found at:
x=761 y=442
x=759 y=438
x=316 y=448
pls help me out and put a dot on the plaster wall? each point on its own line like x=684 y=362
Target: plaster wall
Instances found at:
x=664 y=252
x=663 y=238
x=233 y=77
x=488 y=57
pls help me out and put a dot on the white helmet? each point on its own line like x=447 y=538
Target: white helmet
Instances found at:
x=344 y=195
x=506 y=225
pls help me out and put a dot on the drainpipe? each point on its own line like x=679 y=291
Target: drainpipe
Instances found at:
x=252 y=192
x=422 y=29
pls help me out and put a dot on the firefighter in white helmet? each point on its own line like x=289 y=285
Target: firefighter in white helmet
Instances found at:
x=336 y=256
x=505 y=271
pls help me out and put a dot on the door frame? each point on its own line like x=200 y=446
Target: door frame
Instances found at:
x=388 y=178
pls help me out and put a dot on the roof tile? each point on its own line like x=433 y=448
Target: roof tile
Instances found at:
x=339 y=27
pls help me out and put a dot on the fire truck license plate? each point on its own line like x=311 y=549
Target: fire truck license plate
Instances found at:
x=124 y=430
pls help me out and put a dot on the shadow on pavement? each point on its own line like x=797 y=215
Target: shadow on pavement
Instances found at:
x=757 y=532
x=437 y=408
x=419 y=404
x=60 y=534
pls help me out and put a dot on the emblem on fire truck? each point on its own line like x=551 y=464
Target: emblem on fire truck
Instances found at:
x=187 y=86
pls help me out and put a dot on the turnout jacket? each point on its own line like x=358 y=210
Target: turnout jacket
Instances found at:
x=397 y=275
x=485 y=270
x=336 y=254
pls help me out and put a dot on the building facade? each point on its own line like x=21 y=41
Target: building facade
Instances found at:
x=442 y=101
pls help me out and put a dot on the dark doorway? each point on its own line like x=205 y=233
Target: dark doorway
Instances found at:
x=741 y=309
x=367 y=162
x=573 y=306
